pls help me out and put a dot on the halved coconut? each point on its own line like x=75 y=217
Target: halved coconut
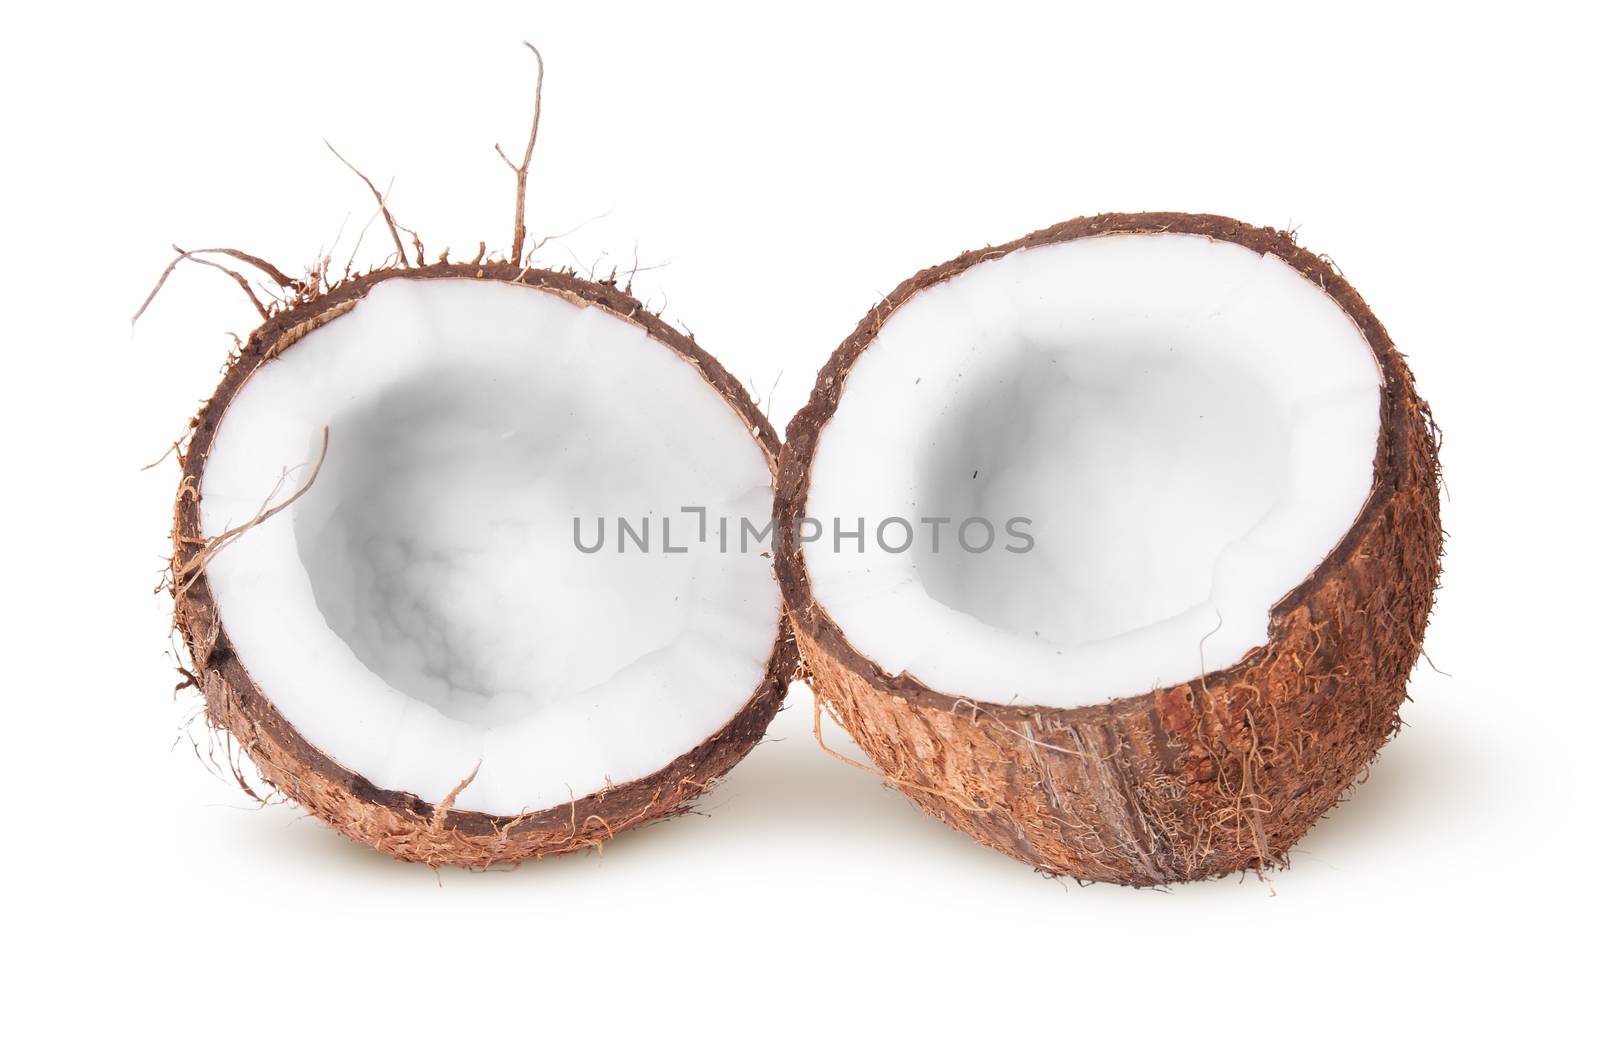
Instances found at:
x=425 y=648
x=1114 y=546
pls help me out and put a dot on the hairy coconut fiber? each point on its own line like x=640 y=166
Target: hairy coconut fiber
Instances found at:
x=400 y=823
x=1222 y=773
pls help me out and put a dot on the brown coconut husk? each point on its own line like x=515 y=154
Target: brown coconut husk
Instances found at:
x=1221 y=773
x=402 y=824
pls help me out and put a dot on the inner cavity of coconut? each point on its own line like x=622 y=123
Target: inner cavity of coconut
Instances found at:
x=424 y=607
x=1166 y=435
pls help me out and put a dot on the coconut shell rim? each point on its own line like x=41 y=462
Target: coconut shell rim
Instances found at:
x=1398 y=423
x=214 y=651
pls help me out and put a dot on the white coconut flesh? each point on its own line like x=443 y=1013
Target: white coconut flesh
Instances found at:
x=423 y=608
x=1189 y=427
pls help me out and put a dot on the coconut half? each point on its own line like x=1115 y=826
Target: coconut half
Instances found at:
x=416 y=649
x=1114 y=546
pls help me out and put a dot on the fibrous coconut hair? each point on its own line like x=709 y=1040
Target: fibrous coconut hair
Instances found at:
x=402 y=823
x=1212 y=775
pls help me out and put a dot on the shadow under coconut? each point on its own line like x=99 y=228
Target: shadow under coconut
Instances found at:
x=789 y=788
x=1430 y=775
x=790 y=793
x=789 y=799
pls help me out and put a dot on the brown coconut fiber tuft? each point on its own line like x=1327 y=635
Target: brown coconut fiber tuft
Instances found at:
x=400 y=823
x=1222 y=773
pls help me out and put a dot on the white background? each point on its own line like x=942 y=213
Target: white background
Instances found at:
x=792 y=163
